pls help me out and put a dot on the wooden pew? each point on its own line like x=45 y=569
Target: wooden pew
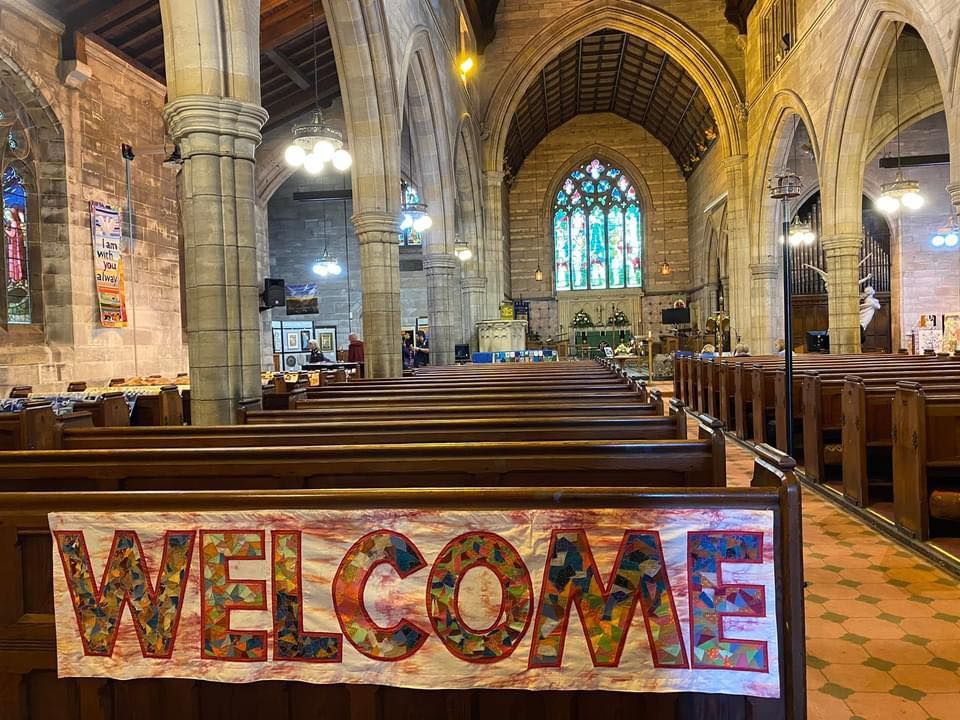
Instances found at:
x=162 y=408
x=867 y=429
x=31 y=690
x=660 y=463
x=926 y=458
x=32 y=428
x=361 y=432
x=108 y=410
x=821 y=405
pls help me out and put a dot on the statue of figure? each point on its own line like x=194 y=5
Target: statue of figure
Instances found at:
x=868 y=306
x=824 y=274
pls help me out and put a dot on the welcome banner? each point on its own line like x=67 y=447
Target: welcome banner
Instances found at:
x=644 y=600
x=108 y=265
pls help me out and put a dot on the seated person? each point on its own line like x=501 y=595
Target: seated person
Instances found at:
x=741 y=350
x=316 y=356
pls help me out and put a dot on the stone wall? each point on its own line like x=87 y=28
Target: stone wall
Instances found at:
x=665 y=220
x=78 y=159
x=294 y=248
x=926 y=279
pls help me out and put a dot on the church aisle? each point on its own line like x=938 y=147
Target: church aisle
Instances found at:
x=883 y=625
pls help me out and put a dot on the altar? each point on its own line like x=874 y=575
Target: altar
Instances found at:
x=502 y=335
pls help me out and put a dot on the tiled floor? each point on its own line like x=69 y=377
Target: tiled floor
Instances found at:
x=883 y=625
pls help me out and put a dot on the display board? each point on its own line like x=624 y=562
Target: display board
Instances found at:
x=106 y=231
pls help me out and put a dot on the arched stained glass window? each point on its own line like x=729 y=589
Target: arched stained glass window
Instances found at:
x=597 y=230
x=15 y=237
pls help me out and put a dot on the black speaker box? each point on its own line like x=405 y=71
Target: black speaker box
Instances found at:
x=274 y=292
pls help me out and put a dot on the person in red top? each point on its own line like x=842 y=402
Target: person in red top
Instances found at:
x=355 y=349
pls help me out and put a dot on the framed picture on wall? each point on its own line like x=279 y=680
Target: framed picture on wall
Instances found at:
x=305 y=337
x=293 y=341
x=277 y=340
x=327 y=339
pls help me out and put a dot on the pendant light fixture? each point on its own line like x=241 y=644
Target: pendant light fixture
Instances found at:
x=326 y=265
x=538 y=273
x=801 y=231
x=665 y=269
x=462 y=250
x=902 y=192
x=948 y=235
x=315 y=143
x=414 y=211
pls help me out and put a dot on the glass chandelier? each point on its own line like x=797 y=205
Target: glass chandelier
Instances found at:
x=801 y=233
x=315 y=143
x=327 y=264
x=414 y=211
x=902 y=192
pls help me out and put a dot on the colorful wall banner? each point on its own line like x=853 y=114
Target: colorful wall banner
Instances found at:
x=651 y=600
x=108 y=265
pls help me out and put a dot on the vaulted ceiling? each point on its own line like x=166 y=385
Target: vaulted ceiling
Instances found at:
x=133 y=29
x=613 y=72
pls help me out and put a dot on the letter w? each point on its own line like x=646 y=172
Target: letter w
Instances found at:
x=571 y=578
x=126 y=581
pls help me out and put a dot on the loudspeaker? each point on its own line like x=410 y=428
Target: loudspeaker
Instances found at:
x=274 y=292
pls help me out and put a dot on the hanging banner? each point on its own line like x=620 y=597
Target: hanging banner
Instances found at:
x=641 y=600
x=108 y=265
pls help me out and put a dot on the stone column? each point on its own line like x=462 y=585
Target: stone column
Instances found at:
x=443 y=299
x=493 y=229
x=766 y=293
x=737 y=289
x=842 y=254
x=474 y=306
x=377 y=235
x=217 y=137
x=954 y=190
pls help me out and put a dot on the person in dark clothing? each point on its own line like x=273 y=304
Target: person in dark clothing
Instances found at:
x=406 y=350
x=422 y=350
x=316 y=356
x=355 y=349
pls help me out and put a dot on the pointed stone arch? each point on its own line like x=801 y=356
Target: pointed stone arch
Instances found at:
x=685 y=46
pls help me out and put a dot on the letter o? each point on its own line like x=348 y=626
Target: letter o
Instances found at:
x=462 y=554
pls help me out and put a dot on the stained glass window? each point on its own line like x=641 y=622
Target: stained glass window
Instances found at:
x=597 y=230
x=408 y=236
x=15 y=232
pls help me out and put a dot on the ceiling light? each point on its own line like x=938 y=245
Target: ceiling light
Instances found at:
x=538 y=275
x=902 y=192
x=313 y=164
x=294 y=155
x=327 y=265
x=665 y=269
x=948 y=235
x=462 y=250
x=801 y=232
x=342 y=160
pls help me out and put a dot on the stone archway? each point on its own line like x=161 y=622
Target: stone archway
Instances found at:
x=696 y=57
x=48 y=219
x=422 y=115
x=786 y=113
x=469 y=220
x=847 y=141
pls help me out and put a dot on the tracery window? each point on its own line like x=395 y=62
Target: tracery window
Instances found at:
x=16 y=197
x=597 y=230
x=15 y=238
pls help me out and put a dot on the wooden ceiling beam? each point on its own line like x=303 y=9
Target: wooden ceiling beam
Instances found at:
x=94 y=15
x=292 y=21
x=278 y=59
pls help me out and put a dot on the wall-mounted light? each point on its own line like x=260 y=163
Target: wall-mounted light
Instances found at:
x=948 y=235
x=462 y=250
x=466 y=66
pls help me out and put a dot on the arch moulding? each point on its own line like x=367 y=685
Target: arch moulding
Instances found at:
x=647 y=23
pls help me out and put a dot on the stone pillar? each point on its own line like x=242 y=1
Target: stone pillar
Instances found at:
x=217 y=137
x=474 y=306
x=954 y=190
x=378 y=237
x=766 y=292
x=493 y=229
x=443 y=299
x=842 y=254
x=737 y=295
x=263 y=271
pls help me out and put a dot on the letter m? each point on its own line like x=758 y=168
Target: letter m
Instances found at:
x=571 y=578
x=155 y=609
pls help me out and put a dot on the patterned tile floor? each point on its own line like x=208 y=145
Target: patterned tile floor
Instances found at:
x=883 y=625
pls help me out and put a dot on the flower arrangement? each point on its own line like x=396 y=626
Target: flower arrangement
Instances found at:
x=618 y=319
x=581 y=320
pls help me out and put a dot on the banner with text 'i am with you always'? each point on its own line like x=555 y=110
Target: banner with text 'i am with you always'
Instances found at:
x=106 y=228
